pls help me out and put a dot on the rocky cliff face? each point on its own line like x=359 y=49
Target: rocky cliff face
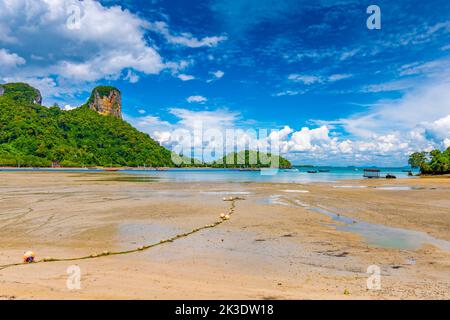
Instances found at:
x=106 y=101
x=37 y=98
x=1 y=91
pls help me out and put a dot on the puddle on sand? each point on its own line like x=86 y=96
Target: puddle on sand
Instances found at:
x=236 y=193
x=398 y=188
x=350 y=187
x=392 y=188
x=374 y=234
x=130 y=179
x=274 y=199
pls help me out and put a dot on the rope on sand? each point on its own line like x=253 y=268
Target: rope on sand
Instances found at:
x=141 y=248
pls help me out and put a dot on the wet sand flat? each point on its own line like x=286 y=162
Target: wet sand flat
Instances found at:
x=285 y=241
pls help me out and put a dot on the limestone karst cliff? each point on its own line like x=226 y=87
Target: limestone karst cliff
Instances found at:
x=106 y=101
x=32 y=135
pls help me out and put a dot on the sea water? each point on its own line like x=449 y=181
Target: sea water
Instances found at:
x=295 y=175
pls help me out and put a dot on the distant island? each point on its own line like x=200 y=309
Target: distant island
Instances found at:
x=247 y=159
x=435 y=162
x=32 y=135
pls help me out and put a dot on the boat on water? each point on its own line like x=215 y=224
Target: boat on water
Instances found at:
x=312 y=171
x=111 y=169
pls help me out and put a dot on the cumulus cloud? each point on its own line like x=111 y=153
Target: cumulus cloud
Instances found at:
x=10 y=60
x=384 y=135
x=439 y=130
x=423 y=105
x=189 y=123
x=307 y=139
x=46 y=39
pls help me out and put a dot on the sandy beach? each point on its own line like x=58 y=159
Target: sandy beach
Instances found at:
x=284 y=241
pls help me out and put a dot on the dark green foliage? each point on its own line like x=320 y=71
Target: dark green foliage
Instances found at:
x=33 y=135
x=417 y=159
x=435 y=162
x=20 y=92
x=251 y=159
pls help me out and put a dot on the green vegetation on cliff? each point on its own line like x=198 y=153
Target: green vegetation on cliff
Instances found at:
x=434 y=162
x=33 y=135
x=21 y=93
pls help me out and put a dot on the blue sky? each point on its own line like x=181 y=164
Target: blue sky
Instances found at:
x=332 y=90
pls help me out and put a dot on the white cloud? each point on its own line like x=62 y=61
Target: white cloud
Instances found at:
x=68 y=107
x=185 y=39
x=306 y=139
x=397 y=85
x=197 y=99
x=348 y=54
x=339 y=76
x=281 y=134
x=10 y=60
x=188 y=121
x=142 y=111
x=131 y=77
x=216 y=76
x=426 y=104
x=49 y=89
x=185 y=77
x=430 y=68
x=438 y=130
x=312 y=79
x=305 y=79
x=447 y=143
x=111 y=43
x=110 y=65
x=289 y=93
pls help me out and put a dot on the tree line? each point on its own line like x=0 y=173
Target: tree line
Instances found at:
x=434 y=162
